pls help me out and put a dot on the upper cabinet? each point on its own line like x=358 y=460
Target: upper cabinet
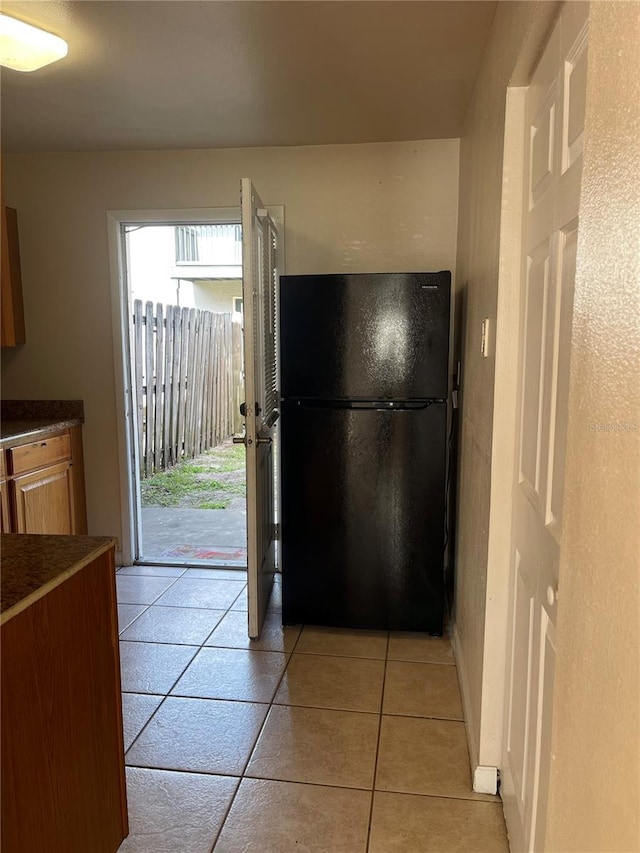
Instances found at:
x=13 y=332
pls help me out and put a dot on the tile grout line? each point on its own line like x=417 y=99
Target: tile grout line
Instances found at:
x=146 y=607
x=129 y=641
x=340 y=657
x=165 y=697
x=423 y=717
x=151 y=603
x=226 y=813
x=377 y=753
x=492 y=799
x=252 y=750
x=264 y=779
x=132 y=744
x=272 y=702
x=168 y=693
x=467 y=799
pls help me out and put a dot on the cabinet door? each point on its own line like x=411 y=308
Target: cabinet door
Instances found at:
x=43 y=500
x=11 y=305
x=5 y=520
x=5 y=523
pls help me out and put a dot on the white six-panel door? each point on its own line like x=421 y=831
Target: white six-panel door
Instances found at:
x=553 y=160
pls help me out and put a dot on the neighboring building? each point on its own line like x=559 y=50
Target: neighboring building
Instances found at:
x=193 y=266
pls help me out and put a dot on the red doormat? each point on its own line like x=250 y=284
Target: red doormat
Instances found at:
x=192 y=552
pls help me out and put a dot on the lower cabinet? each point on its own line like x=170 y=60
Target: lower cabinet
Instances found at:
x=62 y=768
x=5 y=518
x=43 y=501
x=44 y=489
x=5 y=521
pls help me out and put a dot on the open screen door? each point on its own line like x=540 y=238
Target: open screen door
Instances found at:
x=260 y=411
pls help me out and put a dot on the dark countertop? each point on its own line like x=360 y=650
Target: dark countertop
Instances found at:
x=13 y=433
x=32 y=565
x=28 y=420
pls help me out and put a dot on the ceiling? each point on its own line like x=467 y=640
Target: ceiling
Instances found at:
x=143 y=74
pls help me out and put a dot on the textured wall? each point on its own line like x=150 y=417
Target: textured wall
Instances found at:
x=517 y=34
x=348 y=208
x=595 y=772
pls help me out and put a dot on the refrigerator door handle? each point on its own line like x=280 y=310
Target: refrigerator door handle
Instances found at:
x=369 y=405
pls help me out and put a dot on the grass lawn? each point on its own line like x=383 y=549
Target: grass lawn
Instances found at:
x=214 y=480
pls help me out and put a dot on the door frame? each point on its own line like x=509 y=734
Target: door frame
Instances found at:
x=125 y=423
x=504 y=338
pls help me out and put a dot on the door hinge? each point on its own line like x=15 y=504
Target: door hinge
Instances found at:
x=276 y=532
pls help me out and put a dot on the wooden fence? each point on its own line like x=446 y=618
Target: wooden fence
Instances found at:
x=187 y=382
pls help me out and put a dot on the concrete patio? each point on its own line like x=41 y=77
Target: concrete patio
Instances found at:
x=195 y=536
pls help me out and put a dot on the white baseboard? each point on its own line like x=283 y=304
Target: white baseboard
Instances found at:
x=119 y=559
x=485 y=779
x=465 y=693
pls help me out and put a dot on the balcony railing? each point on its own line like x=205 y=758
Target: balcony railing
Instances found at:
x=209 y=245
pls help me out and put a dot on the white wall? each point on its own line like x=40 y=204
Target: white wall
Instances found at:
x=351 y=208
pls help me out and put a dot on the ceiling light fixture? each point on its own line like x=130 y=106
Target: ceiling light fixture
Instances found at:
x=27 y=48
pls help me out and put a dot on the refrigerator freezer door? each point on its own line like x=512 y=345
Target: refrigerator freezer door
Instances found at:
x=368 y=336
x=363 y=517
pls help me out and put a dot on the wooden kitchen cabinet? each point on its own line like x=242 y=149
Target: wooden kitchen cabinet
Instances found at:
x=11 y=305
x=63 y=776
x=43 y=500
x=45 y=485
x=5 y=520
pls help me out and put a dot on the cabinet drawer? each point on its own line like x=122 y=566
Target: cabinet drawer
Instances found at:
x=38 y=454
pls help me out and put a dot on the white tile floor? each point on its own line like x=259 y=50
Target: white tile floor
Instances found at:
x=312 y=740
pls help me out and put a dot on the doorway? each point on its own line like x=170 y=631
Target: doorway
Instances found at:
x=262 y=260
x=182 y=295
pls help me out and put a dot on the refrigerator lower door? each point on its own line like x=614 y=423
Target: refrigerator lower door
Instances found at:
x=363 y=517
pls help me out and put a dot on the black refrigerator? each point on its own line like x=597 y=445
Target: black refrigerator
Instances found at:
x=364 y=379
